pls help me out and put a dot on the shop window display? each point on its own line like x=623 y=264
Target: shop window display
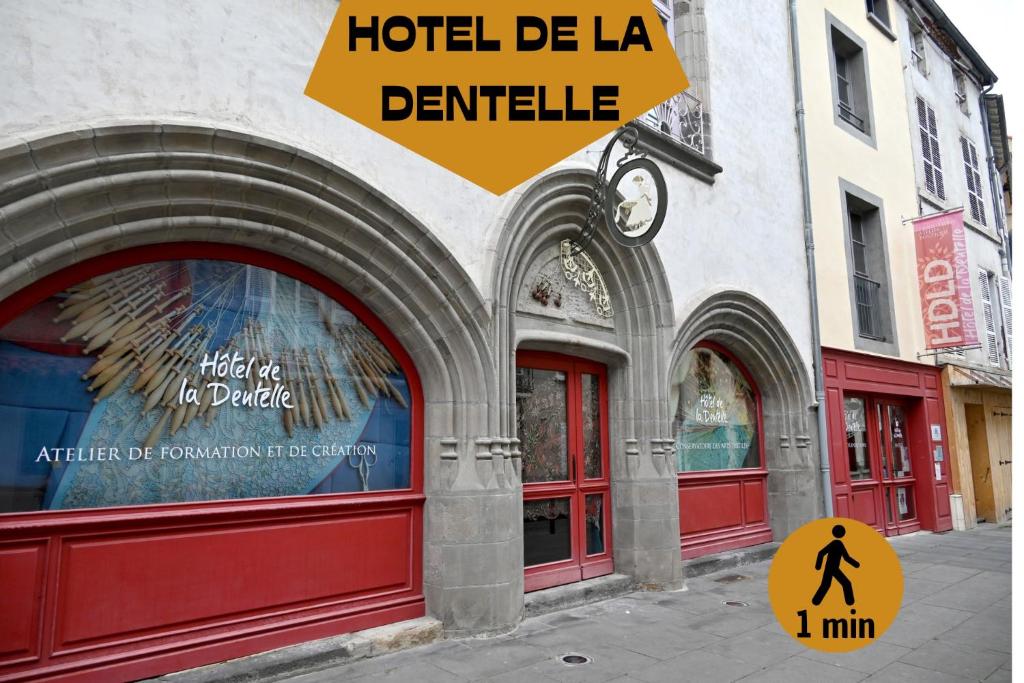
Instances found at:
x=195 y=380
x=716 y=414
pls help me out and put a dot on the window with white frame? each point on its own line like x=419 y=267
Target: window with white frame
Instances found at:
x=917 y=52
x=960 y=88
x=1006 y=308
x=930 y=154
x=975 y=195
x=988 y=316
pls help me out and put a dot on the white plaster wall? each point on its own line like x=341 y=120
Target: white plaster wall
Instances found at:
x=242 y=64
x=885 y=170
x=745 y=232
x=937 y=88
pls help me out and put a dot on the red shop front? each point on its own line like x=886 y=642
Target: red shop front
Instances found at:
x=720 y=453
x=154 y=518
x=887 y=442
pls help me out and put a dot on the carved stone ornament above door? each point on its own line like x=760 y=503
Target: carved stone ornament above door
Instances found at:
x=566 y=287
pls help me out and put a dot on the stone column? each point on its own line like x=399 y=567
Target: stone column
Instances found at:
x=646 y=524
x=473 y=546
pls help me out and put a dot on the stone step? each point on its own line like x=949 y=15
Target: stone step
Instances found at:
x=579 y=593
x=709 y=564
x=315 y=654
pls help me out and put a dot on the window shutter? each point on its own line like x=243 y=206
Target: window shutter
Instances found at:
x=975 y=196
x=991 y=348
x=977 y=183
x=926 y=145
x=933 y=132
x=928 y=129
x=1006 y=301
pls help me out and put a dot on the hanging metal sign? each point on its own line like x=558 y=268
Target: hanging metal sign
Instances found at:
x=633 y=202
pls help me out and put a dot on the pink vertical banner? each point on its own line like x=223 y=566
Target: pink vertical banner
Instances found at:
x=944 y=279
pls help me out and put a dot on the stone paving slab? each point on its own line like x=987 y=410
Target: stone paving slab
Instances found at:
x=954 y=626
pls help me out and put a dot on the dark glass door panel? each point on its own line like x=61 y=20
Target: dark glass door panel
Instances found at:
x=595 y=514
x=547 y=531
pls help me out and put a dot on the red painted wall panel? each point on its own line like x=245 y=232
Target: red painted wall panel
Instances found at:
x=942 y=498
x=840 y=465
x=841 y=507
x=865 y=507
x=22 y=571
x=935 y=413
x=873 y=373
x=712 y=506
x=215 y=575
x=754 y=501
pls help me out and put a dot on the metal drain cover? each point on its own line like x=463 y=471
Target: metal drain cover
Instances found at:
x=574 y=659
x=731 y=578
x=735 y=603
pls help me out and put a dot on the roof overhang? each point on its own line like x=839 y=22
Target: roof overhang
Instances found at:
x=945 y=24
x=960 y=376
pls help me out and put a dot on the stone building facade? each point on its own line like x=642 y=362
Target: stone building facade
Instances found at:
x=882 y=399
x=904 y=134
x=949 y=77
x=140 y=134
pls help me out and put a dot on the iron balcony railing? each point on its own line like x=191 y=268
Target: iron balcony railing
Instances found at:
x=869 y=309
x=846 y=114
x=680 y=117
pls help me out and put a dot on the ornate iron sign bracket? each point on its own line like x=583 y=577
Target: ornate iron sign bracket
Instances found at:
x=633 y=218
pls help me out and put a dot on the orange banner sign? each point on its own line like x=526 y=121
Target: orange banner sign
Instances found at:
x=944 y=278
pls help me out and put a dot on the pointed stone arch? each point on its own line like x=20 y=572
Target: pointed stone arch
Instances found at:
x=547 y=212
x=749 y=329
x=69 y=197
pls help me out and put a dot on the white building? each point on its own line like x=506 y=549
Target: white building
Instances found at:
x=170 y=142
x=947 y=84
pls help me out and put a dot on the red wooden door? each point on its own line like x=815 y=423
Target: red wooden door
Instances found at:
x=898 y=491
x=882 y=489
x=863 y=461
x=562 y=409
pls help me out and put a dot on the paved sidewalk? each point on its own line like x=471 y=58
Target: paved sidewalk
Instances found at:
x=954 y=626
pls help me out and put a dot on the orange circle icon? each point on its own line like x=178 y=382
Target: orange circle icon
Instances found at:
x=835 y=585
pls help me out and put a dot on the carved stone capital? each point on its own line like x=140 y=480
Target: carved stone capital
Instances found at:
x=497 y=480
x=516 y=459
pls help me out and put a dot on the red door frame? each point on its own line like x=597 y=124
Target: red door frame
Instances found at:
x=708 y=526
x=880 y=489
x=44 y=554
x=889 y=484
x=580 y=565
x=918 y=388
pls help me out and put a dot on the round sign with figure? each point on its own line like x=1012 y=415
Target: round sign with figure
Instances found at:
x=635 y=202
x=835 y=585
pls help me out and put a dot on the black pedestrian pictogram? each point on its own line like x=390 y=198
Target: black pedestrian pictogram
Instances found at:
x=833 y=554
